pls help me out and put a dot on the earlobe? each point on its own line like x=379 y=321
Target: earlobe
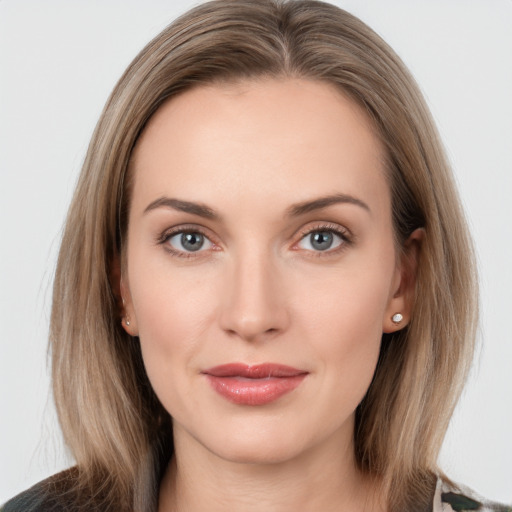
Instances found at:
x=122 y=295
x=398 y=312
x=128 y=320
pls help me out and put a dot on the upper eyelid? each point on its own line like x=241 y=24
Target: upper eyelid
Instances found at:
x=185 y=228
x=326 y=226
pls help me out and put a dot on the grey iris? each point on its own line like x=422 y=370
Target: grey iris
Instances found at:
x=321 y=240
x=192 y=241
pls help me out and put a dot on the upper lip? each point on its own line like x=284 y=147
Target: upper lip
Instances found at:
x=255 y=371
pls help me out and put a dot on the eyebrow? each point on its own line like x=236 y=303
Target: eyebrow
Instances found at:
x=183 y=206
x=323 y=202
x=293 y=211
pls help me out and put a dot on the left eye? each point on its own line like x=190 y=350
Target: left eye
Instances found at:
x=321 y=241
x=189 y=242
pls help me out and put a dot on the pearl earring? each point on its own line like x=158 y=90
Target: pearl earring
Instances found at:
x=397 y=318
x=127 y=322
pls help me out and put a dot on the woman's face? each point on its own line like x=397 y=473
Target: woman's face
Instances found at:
x=261 y=269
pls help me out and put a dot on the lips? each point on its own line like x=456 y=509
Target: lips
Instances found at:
x=254 y=384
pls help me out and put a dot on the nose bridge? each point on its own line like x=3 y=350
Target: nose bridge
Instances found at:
x=254 y=306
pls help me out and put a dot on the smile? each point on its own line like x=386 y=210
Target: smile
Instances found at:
x=254 y=385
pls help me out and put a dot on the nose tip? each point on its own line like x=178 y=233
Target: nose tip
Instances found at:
x=251 y=328
x=254 y=304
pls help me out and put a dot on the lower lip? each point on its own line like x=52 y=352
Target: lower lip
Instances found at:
x=244 y=391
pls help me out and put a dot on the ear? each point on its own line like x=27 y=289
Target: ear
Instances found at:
x=404 y=284
x=121 y=291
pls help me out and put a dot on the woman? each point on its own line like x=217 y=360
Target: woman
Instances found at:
x=266 y=246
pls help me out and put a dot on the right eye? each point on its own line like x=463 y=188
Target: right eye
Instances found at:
x=188 y=242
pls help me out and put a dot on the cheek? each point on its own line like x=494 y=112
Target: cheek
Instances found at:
x=348 y=330
x=350 y=300
x=342 y=316
x=173 y=309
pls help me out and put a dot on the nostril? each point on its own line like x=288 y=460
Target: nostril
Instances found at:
x=252 y=334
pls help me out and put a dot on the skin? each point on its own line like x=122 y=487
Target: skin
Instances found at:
x=259 y=291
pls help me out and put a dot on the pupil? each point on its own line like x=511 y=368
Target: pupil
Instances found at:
x=192 y=241
x=321 y=240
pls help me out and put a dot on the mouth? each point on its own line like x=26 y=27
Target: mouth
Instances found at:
x=259 y=384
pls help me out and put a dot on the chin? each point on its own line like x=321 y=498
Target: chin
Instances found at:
x=256 y=454
x=262 y=445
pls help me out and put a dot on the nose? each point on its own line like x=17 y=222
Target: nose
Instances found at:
x=254 y=299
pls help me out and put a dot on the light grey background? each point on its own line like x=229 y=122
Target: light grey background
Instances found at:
x=58 y=62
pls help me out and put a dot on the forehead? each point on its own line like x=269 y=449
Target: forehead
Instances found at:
x=272 y=138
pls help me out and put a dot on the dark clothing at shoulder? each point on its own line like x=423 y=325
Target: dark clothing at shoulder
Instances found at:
x=58 y=494
x=55 y=494
x=31 y=500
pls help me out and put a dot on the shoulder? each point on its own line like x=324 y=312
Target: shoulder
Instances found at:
x=55 y=494
x=458 y=498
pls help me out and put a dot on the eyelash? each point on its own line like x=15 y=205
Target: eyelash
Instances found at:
x=335 y=229
x=182 y=230
x=344 y=234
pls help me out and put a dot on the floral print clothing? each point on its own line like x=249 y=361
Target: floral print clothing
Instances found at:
x=448 y=498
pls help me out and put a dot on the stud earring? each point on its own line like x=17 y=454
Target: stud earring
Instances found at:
x=397 y=318
x=127 y=322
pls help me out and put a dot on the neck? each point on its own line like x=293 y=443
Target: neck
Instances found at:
x=324 y=478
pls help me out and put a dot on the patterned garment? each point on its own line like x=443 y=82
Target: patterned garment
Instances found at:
x=446 y=499
x=462 y=499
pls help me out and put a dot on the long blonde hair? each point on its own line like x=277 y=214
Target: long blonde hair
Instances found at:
x=118 y=432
